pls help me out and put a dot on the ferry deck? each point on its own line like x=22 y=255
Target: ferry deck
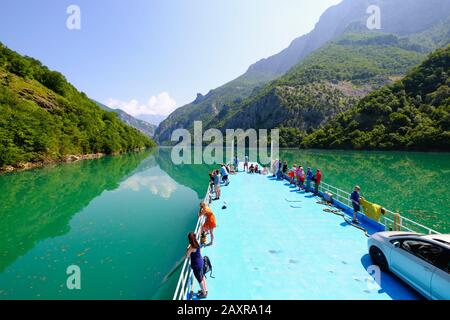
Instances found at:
x=274 y=242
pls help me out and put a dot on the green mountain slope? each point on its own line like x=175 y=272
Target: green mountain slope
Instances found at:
x=411 y=114
x=143 y=126
x=43 y=118
x=400 y=17
x=329 y=81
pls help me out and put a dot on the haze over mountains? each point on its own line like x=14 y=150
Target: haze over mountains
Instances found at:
x=410 y=30
x=143 y=126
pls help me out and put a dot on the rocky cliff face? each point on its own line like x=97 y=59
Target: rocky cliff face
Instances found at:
x=400 y=17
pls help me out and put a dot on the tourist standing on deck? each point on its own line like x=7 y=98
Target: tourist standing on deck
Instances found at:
x=246 y=163
x=297 y=174
x=211 y=182
x=193 y=251
x=279 y=173
x=210 y=221
x=317 y=181
x=236 y=164
x=309 y=177
x=355 y=203
x=285 y=169
x=292 y=174
x=224 y=174
x=216 y=184
x=302 y=179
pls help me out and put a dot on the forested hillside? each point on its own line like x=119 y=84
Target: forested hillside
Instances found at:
x=402 y=18
x=331 y=80
x=43 y=118
x=411 y=114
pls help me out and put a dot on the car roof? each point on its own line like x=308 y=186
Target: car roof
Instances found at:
x=442 y=238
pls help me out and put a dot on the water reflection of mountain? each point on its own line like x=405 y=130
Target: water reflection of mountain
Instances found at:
x=192 y=176
x=38 y=204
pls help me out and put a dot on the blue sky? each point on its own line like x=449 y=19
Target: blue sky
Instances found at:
x=151 y=56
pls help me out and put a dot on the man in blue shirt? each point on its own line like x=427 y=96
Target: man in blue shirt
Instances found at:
x=355 y=203
x=309 y=177
x=224 y=173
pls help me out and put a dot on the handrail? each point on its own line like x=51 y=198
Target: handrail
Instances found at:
x=410 y=225
x=185 y=281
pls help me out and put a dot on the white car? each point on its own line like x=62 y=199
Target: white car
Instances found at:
x=421 y=261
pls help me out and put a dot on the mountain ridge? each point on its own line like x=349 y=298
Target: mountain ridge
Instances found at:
x=410 y=114
x=145 y=127
x=336 y=18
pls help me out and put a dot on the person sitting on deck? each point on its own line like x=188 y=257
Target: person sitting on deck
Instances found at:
x=257 y=169
x=309 y=177
x=317 y=180
x=193 y=251
x=210 y=221
x=251 y=169
x=264 y=171
x=232 y=170
x=356 y=204
x=216 y=185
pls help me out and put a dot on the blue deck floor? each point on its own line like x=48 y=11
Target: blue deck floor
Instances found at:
x=268 y=248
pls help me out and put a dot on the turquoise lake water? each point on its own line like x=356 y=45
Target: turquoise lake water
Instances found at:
x=123 y=220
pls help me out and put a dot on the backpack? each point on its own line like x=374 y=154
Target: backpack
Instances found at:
x=207 y=266
x=203 y=238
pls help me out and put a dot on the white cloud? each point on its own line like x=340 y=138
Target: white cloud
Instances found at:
x=161 y=104
x=162 y=186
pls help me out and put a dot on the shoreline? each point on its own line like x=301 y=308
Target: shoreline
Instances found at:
x=24 y=166
x=72 y=158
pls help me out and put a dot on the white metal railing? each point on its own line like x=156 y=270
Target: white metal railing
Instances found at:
x=185 y=282
x=391 y=220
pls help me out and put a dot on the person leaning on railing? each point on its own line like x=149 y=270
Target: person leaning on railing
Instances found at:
x=355 y=203
x=210 y=221
x=193 y=251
